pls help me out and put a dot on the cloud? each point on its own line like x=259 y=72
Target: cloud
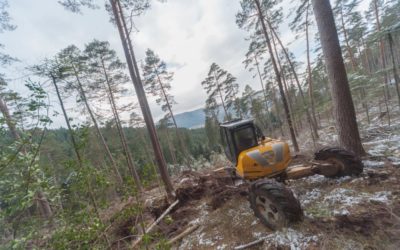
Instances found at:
x=187 y=34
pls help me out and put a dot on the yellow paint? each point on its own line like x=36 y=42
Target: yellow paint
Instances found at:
x=250 y=168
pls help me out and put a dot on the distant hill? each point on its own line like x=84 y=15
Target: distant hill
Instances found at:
x=194 y=119
x=191 y=119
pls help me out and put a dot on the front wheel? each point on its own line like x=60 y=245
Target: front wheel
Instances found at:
x=274 y=204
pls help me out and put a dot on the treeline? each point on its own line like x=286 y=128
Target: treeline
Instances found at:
x=295 y=94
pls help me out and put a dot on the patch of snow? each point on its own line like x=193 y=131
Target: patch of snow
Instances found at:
x=382 y=196
x=343 y=198
x=222 y=247
x=204 y=241
x=257 y=234
x=343 y=179
x=315 y=179
x=373 y=164
x=310 y=197
x=342 y=211
x=290 y=237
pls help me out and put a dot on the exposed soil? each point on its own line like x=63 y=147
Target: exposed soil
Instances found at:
x=360 y=212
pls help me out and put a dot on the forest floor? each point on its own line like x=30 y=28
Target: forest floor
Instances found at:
x=344 y=213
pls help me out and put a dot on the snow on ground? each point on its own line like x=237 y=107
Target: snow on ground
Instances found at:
x=290 y=237
x=321 y=198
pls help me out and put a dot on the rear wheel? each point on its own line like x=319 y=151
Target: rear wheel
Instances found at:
x=274 y=204
x=348 y=163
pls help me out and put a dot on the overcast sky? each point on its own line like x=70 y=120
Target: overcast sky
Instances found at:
x=187 y=34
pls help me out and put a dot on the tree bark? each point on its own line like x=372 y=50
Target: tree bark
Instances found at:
x=345 y=115
x=395 y=74
x=135 y=77
x=278 y=77
x=346 y=39
x=310 y=80
x=381 y=49
x=9 y=121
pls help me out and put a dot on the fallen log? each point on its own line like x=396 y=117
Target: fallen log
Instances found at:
x=180 y=236
x=151 y=227
x=253 y=243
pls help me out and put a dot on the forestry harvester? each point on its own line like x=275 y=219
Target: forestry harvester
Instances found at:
x=264 y=163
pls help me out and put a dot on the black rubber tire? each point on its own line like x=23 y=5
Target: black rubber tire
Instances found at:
x=280 y=197
x=352 y=165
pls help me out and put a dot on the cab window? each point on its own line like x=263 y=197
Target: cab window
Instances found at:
x=227 y=144
x=245 y=138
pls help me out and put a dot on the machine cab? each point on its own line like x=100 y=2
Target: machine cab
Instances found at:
x=237 y=136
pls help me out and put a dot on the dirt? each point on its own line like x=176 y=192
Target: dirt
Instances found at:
x=344 y=213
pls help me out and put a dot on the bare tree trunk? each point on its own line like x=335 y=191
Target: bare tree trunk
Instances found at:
x=75 y=145
x=100 y=135
x=121 y=132
x=381 y=50
x=171 y=149
x=396 y=76
x=178 y=135
x=310 y=80
x=278 y=77
x=135 y=76
x=346 y=39
x=313 y=127
x=222 y=98
x=268 y=125
x=9 y=121
x=282 y=73
x=345 y=115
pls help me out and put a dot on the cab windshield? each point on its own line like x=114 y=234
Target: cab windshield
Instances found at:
x=245 y=138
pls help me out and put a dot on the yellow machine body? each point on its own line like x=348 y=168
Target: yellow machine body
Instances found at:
x=269 y=158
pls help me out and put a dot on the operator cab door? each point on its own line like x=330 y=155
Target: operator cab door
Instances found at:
x=238 y=139
x=244 y=138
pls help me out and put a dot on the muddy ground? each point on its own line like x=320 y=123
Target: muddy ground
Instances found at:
x=345 y=213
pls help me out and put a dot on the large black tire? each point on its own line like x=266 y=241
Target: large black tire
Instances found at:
x=350 y=164
x=274 y=204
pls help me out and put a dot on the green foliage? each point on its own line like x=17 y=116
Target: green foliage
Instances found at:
x=81 y=232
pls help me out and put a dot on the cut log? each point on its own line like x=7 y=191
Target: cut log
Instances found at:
x=151 y=227
x=253 y=243
x=180 y=236
x=299 y=172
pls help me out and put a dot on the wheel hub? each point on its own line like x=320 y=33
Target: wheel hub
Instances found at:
x=269 y=211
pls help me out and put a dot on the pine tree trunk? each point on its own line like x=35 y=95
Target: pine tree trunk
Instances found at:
x=75 y=145
x=121 y=132
x=182 y=144
x=100 y=135
x=227 y=115
x=268 y=125
x=346 y=39
x=345 y=115
x=310 y=79
x=313 y=128
x=278 y=78
x=282 y=74
x=395 y=74
x=9 y=121
x=171 y=148
x=381 y=50
x=135 y=77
